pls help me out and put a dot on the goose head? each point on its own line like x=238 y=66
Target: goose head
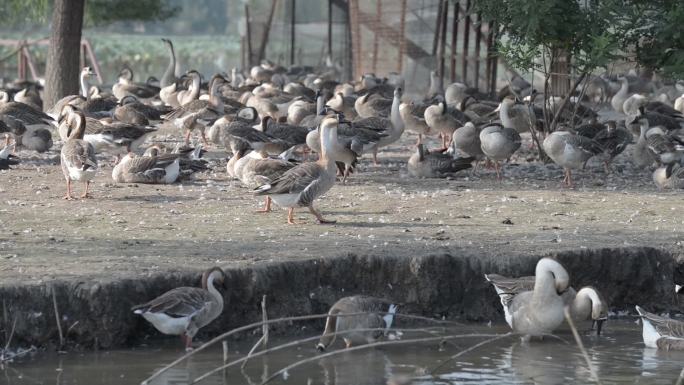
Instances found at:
x=167 y=42
x=248 y=114
x=398 y=92
x=125 y=75
x=215 y=275
x=548 y=266
x=128 y=99
x=599 y=308
x=87 y=72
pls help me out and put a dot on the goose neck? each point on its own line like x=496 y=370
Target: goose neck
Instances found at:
x=395 y=116
x=168 y=76
x=84 y=85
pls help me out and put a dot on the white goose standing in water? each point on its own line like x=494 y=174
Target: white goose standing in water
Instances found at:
x=184 y=310
x=540 y=311
x=302 y=184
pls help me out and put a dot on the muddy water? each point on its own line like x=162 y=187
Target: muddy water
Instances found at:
x=619 y=356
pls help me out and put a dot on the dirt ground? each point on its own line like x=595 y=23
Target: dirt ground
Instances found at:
x=134 y=230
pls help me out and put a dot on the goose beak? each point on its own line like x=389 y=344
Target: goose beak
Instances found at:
x=599 y=325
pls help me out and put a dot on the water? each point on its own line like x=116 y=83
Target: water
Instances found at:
x=619 y=356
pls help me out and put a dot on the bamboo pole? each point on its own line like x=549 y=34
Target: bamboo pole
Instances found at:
x=442 y=43
x=293 y=22
x=402 y=32
x=478 y=38
x=248 y=37
x=454 y=41
x=267 y=31
x=438 y=22
x=378 y=13
x=466 y=42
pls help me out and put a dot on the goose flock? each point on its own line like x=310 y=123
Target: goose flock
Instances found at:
x=295 y=132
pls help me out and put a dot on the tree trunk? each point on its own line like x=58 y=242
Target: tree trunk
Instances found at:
x=61 y=78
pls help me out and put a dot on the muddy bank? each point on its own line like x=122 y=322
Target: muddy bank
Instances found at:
x=95 y=314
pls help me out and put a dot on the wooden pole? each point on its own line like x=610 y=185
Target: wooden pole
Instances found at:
x=293 y=21
x=402 y=32
x=442 y=43
x=466 y=41
x=438 y=22
x=355 y=27
x=267 y=31
x=330 y=23
x=495 y=61
x=478 y=38
x=454 y=40
x=248 y=37
x=378 y=12
x=489 y=59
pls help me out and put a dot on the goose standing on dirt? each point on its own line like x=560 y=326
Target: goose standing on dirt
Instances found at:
x=445 y=120
x=424 y=164
x=570 y=151
x=466 y=140
x=380 y=317
x=184 y=310
x=540 y=311
x=257 y=170
x=499 y=143
x=613 y=139
x=413 y=115
x=515 y=115
x=660 y=332
x=302 y=184
x=621 y=96
x=78 y=157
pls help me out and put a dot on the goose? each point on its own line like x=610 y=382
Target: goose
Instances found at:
x=26 y=114
x=679 y=104
x=236 y=132
x=585 y=305
x=613 y=140
x=632 y=104
x=190 y=158
x=413 y=115
x=641 y=154
x=11 y=126
x=669 y=122
x=169 y=76
x=291 y=134
x=29 y=96
x=361 y=136
x=6 y=157
x=621 y=96
x=570 y=151
x=499 y=143
x=540 y=311
x=78 y=157
x=661 y=332
x=661 y=108
x=302 y=184
x=444 y=119
x=343 y=104
x=669 y=176
x=255 y=170
x=424 y=164
x=184 y=310
x=466 y=140
x=455 y=94
x=436 y=85
x=300 y=109
x=380 y=316
x=665 y=147
x=130 y=105
x=37 y=139
x=147 y=169
x=192 y=93
x=199 y=114
x=126 y=86
x=372 y=105
x=515 y=115
x=261 y=73
x=92 y=104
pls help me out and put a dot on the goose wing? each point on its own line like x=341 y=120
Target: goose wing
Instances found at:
x=78 y=154
x=142 y=164
x=587 y=145
x=177 y=303
x=294 y=180
x=666 y=327
x=445 y=164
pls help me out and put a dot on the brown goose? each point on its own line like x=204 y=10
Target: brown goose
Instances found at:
x=126 y=86
x=147 y=169
x=199 y=114
x=372 y=105
x=184 y=310
x=445 y=120
x=413 y=115
x=425 y=164
x=302 y=184
x=380 y=315
x=670 y=176
x=78 y=157
x=660 y=332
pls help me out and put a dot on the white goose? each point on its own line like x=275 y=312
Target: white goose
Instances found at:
x=540 y=311
x=184 y=310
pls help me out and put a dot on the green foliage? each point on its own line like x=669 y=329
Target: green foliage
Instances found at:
x=23 y=11
x=107 y=11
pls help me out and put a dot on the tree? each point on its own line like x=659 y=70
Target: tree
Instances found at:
x=67 y=20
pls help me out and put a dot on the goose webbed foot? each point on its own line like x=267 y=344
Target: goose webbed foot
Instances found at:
x=85 y=194
x=267 y=207
x=68 y=196
x=319 y=217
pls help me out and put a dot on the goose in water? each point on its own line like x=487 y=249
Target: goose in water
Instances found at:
x=570 y=151
x=184 y=310
x=425 y=164
x=302 y=184
x=78 y=157
x=499 y=143
x=661 y=332
x=379 y=319
x=539 y=311
x=585 y=305
x=154 y=169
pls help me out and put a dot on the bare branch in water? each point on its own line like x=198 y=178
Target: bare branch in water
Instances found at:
x=368 y=346
x=592 y=369
x=294 y=343
x=680 y=379
x=272 y=321
x=462 y=352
